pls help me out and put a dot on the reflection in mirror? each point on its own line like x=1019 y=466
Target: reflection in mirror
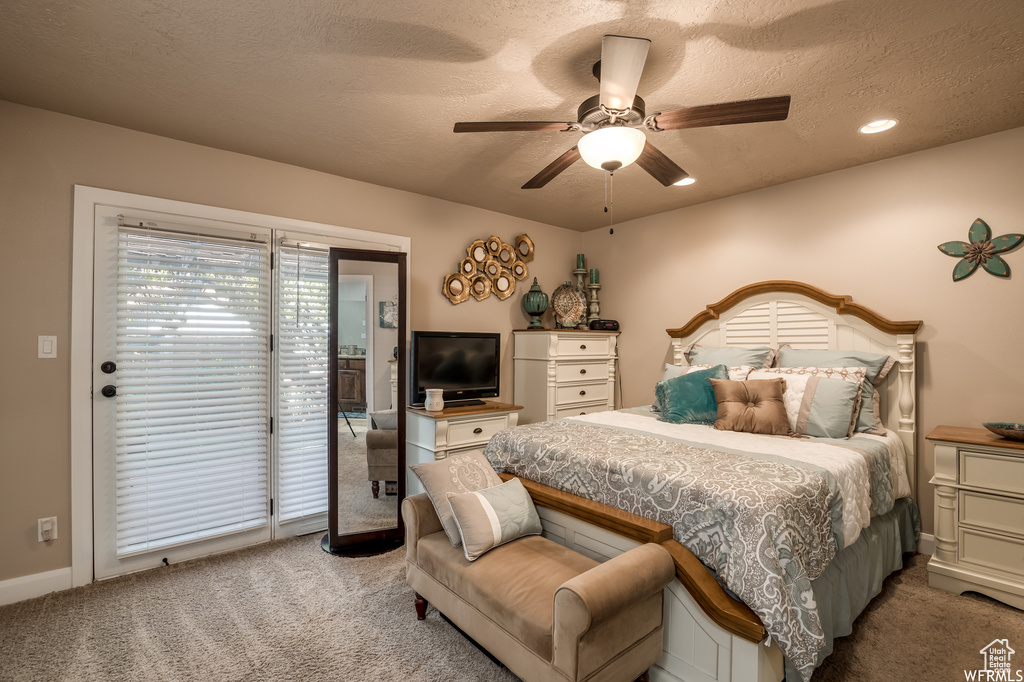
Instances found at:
x=368 y=435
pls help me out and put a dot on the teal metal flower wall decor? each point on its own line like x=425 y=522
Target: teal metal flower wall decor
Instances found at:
x=981 y=250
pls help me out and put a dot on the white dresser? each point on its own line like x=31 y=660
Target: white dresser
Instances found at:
x=979 y=514
x=563 y=372
x=437 y=435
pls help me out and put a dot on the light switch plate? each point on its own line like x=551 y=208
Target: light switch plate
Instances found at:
x=47 y=346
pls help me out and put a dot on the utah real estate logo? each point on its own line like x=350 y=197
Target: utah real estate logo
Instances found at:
x=996 y=666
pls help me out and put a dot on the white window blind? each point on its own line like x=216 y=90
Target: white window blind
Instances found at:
x=302 y=382
x=192 y=393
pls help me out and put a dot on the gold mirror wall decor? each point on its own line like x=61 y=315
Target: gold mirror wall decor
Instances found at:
x=490 y=266
x=478 y=252
x=493 y=245
x=456 y=288
x=480 y=286
x=506 y=254
x=524 y=247
x=504 y=284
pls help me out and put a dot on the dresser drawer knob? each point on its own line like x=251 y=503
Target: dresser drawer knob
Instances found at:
x=478 y=430
x=582 y=413
x=583 y=346
x=583 y=392
x=583 y=371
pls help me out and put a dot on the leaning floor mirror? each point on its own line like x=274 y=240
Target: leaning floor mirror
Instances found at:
x=367 y=389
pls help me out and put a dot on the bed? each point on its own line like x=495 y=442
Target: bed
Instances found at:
x=795 y=534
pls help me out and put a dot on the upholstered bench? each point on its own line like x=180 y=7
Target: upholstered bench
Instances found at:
x=545 y=611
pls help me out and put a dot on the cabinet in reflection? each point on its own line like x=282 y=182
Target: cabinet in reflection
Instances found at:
x=351 y=384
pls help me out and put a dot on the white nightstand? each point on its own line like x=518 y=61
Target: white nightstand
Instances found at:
x=979 y=514
x=436 y=435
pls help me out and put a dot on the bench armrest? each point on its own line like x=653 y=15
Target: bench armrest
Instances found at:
x=420 y=520
x=602 y=612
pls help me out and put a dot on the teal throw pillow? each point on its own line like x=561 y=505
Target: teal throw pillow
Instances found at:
x=671 y=371
x=690 y=398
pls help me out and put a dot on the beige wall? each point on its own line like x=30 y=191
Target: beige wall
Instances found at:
x=43 y=155
x=869 y=232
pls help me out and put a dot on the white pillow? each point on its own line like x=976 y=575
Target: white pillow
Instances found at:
x=822 y=402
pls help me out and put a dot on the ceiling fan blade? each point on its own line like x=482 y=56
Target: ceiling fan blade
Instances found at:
x=662 y=168
x=554 y=168
x=622 y=63
x=510 y=126
x=726 y=113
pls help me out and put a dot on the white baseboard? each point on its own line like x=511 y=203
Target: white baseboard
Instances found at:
x=36 y=585
x=926 y=545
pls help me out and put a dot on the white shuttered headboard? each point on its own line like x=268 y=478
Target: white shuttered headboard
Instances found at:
x=781 y=312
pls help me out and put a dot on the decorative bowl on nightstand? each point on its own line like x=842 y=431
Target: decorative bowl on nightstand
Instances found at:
x=1006 y=429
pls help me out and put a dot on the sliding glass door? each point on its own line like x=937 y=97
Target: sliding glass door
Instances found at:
x=210 y=388
x=181 y=396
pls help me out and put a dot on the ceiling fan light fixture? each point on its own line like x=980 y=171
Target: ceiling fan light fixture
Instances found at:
x=685 y=181
x=612 y=148
x=878 y=126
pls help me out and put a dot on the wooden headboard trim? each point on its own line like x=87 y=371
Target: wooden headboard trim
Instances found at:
x=841 y=304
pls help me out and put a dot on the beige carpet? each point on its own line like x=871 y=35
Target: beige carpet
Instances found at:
x=358 y=509
x=287 y=611
x=913 y=632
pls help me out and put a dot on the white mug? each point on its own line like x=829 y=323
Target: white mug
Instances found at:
x=435 y=400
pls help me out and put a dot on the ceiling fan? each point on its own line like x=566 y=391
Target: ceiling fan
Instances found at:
x=615 y=119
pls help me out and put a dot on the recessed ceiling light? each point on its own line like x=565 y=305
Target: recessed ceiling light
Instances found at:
x=684 y=181
x=878 y=126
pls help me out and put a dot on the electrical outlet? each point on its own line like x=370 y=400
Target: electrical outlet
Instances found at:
x=48 y=529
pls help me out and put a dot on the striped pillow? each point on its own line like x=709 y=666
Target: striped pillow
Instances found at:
x=493 y=516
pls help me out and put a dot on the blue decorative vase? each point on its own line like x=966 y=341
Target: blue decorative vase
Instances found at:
x=535 y=302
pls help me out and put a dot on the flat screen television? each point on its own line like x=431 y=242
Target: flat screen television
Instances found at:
x=466 y=365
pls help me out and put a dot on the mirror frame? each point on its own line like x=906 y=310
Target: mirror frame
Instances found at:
x=379 y=540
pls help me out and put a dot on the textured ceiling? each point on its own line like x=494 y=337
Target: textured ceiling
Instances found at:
x=369 y=90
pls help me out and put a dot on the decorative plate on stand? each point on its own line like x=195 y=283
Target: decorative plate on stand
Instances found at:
x=569 y=305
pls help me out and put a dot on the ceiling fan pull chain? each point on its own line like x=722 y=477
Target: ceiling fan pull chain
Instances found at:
x=611 y=203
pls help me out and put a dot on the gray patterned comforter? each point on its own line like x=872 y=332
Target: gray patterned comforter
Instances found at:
x=766 y=525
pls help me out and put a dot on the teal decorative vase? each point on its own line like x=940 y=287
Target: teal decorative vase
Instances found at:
x=535 y=302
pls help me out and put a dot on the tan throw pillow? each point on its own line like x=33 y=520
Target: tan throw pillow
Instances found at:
x=491 y=517
x=752 y=406
x=462 y=473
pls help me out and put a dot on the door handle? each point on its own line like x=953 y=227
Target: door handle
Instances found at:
x=109 y=391
x=108 y=367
